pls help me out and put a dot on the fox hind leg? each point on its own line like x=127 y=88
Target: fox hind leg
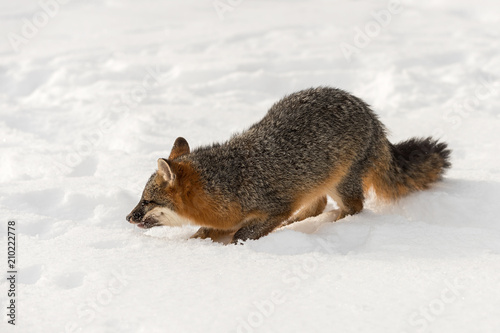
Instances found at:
x=349 y=195
x=313 y=209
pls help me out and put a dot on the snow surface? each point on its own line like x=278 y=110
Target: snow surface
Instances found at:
x=102 y=88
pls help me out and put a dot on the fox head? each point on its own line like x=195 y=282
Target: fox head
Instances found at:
x=162 y=196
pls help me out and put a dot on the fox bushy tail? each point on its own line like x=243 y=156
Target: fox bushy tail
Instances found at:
x=408 y=166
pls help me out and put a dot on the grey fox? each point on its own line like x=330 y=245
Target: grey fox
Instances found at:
x=312 y=143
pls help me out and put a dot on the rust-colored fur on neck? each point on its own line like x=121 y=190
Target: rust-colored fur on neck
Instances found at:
x=192 y=201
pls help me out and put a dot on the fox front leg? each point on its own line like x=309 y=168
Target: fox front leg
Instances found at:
x=257 y=228
x=213 y=234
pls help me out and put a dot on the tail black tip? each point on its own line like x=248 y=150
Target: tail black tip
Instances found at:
x=415 y=151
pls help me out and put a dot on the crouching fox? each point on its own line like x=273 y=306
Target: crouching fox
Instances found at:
x=312 y=143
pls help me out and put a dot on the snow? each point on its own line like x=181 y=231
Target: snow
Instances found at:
x=98 y=90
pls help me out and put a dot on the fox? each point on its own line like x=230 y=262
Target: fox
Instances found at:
x=311 y=144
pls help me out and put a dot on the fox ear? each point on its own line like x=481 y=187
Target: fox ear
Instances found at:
x=164 y=170
x=181 y=147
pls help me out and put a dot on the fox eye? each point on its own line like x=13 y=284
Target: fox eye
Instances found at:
x=147 y=202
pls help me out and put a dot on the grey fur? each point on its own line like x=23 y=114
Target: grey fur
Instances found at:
x=296 y=146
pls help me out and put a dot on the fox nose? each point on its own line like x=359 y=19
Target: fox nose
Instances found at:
x=134 y=217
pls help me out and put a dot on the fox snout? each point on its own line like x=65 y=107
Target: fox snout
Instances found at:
x=136 y=215
x=145 y=217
